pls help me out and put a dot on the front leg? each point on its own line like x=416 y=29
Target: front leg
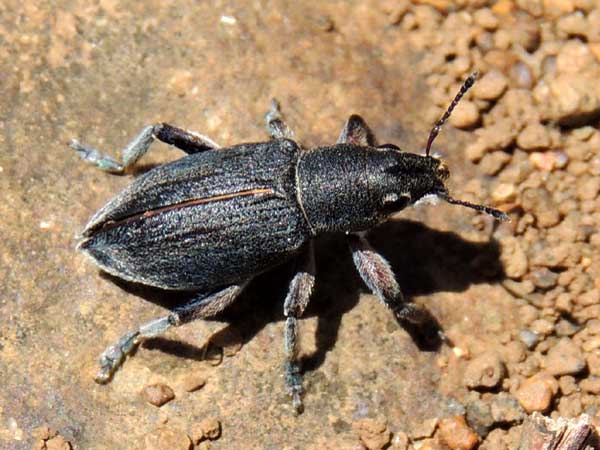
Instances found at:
x=295 y=303
x=379 y=277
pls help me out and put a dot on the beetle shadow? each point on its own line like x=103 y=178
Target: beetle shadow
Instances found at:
x=425 y=261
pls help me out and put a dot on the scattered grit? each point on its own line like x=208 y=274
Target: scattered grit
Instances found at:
x=534 y=114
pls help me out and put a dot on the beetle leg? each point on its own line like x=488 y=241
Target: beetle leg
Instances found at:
x=276 y=127
x=297 y=298
x=188 y=141
x=357 y=132
x=379 y=277
x=200 y=307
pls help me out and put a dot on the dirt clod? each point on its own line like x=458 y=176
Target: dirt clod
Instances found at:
x=209 y=428
x=485 y=371
x=564 y=358
x=373 y=433
x=166 y=438
x=158 y=394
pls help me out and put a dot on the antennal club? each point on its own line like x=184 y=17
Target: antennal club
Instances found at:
x=438 y=125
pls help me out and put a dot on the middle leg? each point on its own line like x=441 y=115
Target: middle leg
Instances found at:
x=201 y=307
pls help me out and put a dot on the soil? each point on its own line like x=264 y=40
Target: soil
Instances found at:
x=519 y=302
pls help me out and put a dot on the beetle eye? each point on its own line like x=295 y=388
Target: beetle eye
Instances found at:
x=442 y=171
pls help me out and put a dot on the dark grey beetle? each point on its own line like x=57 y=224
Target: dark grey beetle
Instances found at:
x=211 y=221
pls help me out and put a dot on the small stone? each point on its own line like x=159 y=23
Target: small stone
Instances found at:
x=424 y=429
x=429 y=444
x=564 y=358
x=588 y=188
x=466 y=115
x=588 y=298
x=506 y=409
x=529 y=338
x=158 y=394
x=504 y=193
x=534 y=136
x=513 y=257
x=591 y=385
x=567 y=385
x=192 y=382
x=493 y=162
x=456 y=434
x=181 y=82
x=211 y=428
x=570 y=406
x=491 y=86
x=400 y=441
x=521 y=75
x=484 y=372
x=373 y=433
x=536 y=393
x=166 y=438
x=479 y=416
x=58 y=443
x=539 y=202
x=593 y=362
x=542 y=327
x=544 y=278
x=485 y=18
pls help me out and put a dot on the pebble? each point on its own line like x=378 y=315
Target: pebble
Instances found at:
x=493 y=162
x=534 y=136
x=529 y=338
x=544 y=278
x=588 y=188
x=491 y=86
x=504 y=193
x=192 y=382
x=565 y=358
x=513 y=257
x=158 y=394
x=567 y=385
x=167 y=438
x=479 y=416
x=521 y=75
x=400 y=441
x=57 y=443
x=424 y=429
x=456 y=434
x=485 y=371
x=485 y=18
x=466 y=115
x=570 y=406
x=373 y=433
x=506 y=409
x=209 y=428
x=539 y=202
x=591 y=385
x=593 y=362
x=536 y=393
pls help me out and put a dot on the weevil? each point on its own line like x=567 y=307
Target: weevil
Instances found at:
x=213 y=220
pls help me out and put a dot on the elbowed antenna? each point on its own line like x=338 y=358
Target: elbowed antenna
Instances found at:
x=497 y=214
x=438 y=125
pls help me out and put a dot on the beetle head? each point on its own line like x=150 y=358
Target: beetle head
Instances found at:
x=416 y=178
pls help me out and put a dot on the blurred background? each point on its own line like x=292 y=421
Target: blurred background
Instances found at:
x=519 y=301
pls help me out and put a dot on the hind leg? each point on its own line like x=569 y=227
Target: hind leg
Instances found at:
x=187 y=141
x=200 y=307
